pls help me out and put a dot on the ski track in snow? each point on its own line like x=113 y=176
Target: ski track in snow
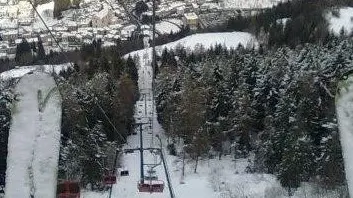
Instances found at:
x=344 y=107
x=34 y=140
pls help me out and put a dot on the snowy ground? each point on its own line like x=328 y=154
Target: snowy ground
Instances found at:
x=34 y=139
x=165 y=27
x=193 y=42
x=344 y=20
x=250 y=3
x=344 y=107
x=46 y=12
x=22 y=70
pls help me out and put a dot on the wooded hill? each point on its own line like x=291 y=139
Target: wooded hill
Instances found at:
x=278 y=104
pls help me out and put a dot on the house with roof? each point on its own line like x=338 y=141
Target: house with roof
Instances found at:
x=102 y=18
x=191 y=19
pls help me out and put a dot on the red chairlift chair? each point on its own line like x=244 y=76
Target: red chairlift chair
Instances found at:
x=68 y=189
x=152 y=186
x=109 y=179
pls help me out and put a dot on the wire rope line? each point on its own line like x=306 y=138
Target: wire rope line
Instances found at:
x=110 y=122
x=62 y=50
x=50 y=32
x=153 y=65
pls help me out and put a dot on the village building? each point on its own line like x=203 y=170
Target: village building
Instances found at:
x=72 y=26
x=10 y=35
x=102 y=18
x=191 y=20
x=181 y=10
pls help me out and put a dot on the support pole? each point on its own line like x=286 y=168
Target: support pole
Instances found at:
x=141 y=156
x=114 y=171
x=154 y=62
x=171 y=192
x=145 y=96
x=154 y=41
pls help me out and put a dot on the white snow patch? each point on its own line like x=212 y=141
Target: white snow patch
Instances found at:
x=344 y=108
x=250 y=3
x=22 y=70
x=194 y=42
x=345 y=20
x=46 y=10
x=165 y=27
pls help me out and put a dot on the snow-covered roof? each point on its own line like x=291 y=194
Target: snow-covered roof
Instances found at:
x=104 y=12
x=18 y=41
x=11 y=32
x=191 y=16
x=3 y=55
x=31 y=40
x=6 y=23
x=250 y=4
x=115 y=26
x=177 y=4
x=71 y=23
x=195 y=6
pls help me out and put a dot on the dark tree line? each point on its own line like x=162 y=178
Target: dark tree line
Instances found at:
x=7 y=97
x=34 y=53
x=306 y=22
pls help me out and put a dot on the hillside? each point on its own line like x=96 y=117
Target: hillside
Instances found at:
x=276 y=104
x=258 y=105
x=34 y=136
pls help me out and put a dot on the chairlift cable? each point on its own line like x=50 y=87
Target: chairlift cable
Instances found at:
x=72 y=66
x=67 y=59
x=50 y=32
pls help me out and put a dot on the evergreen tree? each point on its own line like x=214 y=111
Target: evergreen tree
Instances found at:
x=131 y=69
x=41 y=51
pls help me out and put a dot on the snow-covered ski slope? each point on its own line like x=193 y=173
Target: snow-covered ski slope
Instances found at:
x=127 y=186
x=20 y=71
x=344 y=108
x=194 y=42
x=34 y=138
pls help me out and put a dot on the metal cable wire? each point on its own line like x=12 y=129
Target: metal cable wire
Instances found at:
x=67 y=59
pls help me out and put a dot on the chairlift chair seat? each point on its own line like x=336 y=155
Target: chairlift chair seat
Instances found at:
x=151 y=186
x=143 y=187
x=153 y=177
x=109 y=179
x=68 y=189
x=124 y=173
